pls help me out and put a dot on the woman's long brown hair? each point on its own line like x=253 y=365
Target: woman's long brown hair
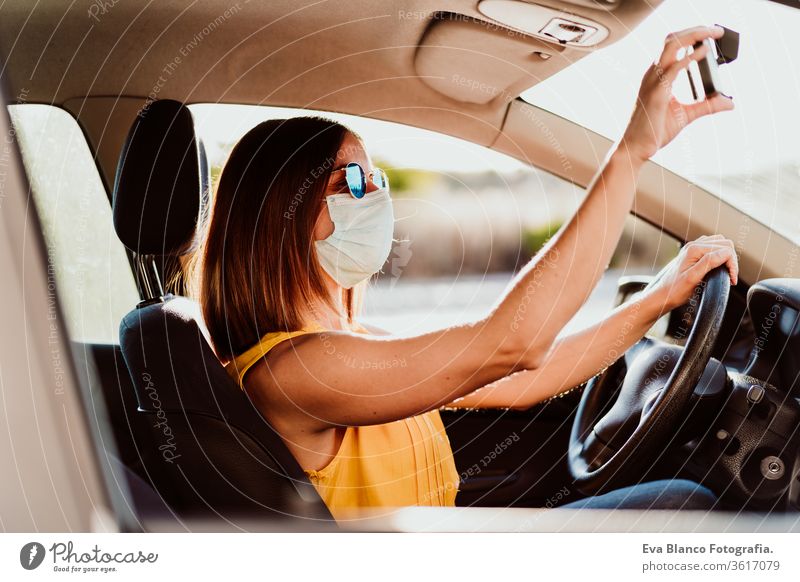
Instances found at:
x=256 y=271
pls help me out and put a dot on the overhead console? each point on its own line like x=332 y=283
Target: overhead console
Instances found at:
x=598 y=4
x=503 y=47
x=546 y=23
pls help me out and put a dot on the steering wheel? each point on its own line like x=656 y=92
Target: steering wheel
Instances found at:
x=655 y=382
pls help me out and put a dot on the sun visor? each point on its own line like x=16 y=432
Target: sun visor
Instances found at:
x=477 y=62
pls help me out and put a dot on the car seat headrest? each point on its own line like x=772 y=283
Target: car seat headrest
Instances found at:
x=161 y=181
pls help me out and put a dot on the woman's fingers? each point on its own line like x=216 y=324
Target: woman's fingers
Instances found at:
x=684 y=39
x=717 y=246
x=713 y=104
x=710 y=239
x=713 y=259
x=671 y=73
x=696 y=250
x=695 y=260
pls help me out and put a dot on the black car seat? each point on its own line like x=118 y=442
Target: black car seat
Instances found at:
x=208 y=451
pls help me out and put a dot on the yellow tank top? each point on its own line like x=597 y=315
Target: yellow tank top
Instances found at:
x=405 y=462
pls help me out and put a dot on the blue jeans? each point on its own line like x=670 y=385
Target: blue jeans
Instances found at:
x=664 y=494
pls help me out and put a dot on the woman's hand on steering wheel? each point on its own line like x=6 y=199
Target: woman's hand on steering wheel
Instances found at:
x=676 y=284
x=658 y=116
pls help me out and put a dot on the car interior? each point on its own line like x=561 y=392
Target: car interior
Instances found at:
x=713 y=395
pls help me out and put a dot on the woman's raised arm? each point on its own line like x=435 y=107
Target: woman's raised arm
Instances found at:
x=554 y=285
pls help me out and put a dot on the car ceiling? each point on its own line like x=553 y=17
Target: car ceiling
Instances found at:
x=354 y=56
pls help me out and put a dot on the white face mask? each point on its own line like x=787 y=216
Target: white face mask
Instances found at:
x=362 y=237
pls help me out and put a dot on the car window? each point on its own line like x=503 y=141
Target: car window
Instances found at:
x=84 y=256
x=467 y=218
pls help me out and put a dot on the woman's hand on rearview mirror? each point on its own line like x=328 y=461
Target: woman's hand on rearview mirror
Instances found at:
x=658 y=116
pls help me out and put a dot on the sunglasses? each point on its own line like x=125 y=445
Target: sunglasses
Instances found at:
x=357 y=179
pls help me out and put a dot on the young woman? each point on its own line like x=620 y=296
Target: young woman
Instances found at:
x=301 y=219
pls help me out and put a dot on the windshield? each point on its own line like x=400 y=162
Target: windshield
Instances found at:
x=749 y=157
